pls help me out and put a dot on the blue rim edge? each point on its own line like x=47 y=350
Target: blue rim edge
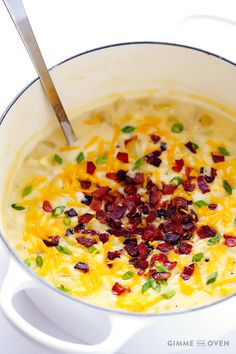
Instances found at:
x=26 y=268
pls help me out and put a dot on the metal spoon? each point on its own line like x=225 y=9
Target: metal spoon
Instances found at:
x=19 y=17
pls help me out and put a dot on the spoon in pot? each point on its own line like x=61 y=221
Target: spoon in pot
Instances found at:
x=19 y=17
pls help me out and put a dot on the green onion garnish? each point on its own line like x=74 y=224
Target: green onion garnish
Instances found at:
x=155 y=285
x=27 y=262
x=197 y=257
x=168 y=294
x=39 y=261
x=214 y=240
x=67 y=221
x=58 y=159
x=58 y=210
x=235 y=221
x=27 y=191
x=201 y=203
x=176 y=180
x=161 y=268
x=177 y=128
x=63 y=288
x=91 y=249
x=227 y=187
x=62 y=249
x=101 y=160
x=212 y=278
x=128 y=129
x=138 y=163
x=223 y=151
x=17 y=207
x=80 y=157
x=127 y=275
x=146 y=286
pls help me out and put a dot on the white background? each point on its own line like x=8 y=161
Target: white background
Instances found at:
x=66 y=27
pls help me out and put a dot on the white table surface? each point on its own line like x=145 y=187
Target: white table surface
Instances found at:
x=66 y=27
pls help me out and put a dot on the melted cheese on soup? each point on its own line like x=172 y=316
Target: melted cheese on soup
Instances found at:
x=141 y=215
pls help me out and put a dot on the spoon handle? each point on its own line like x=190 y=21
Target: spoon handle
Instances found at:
x=19 y=17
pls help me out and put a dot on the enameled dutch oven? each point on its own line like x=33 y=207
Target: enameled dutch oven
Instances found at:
x=85 y=80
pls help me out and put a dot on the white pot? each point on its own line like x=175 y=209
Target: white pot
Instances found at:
x=83 y=81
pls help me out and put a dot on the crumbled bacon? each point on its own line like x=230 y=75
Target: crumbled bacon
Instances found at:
x=138 y=178
x=71 y=212
x=139 y=263
x=52 y=241
x=119 y=289
x=163 y=146
x=104 y=237
x=191 y=146
x=101 y=216
x=123 y=157
x=188 y=186
x=153 y=158
x=111 y=255
x=161 y=276
x=212 y=206
x=132 y=138
x=203 y=186
x=85 y=218
x=230 y=241
x=168 y=188
x=184 y=248
x=96 y=204
x=154 y=198
x=206 y=231
x=188 y=171
x=171 y=237
x=158 y=257
x=112 y=175
x=85 y=184
x=187 y=272
x=178 y=165
x=87 y=242
x=83 y=267
x=155 y=138
x=131 y=247
x=100 y=192
x=90 y=167
x=170 y=265
x=143 y=250
x=179 y=203
x=211 y=178
x=87 y=199
x=217 y=158
x=47 y=206
x=165 y=247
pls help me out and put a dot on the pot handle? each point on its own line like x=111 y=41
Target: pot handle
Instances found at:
x=16 y=281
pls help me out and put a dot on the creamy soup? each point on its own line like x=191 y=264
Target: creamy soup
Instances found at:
x=141 y=215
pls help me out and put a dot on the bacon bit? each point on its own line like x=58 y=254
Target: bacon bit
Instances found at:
x=123 y=157
x=87 y=199
x=203 y=186
x=101 y=216
x=96 y=204
x=158 y=257
x=153 y=158
x=165 y=247
x=188 y=272
x=69 y=232
x=230 y=241
x=132 y=138
x=211 y=178
x=178 y=165
x=212 y=206
x=191 y=147
x=54 y=240
x=131 y=247
x=143 y=251
x=154 y=198
x=90 y=167
x=47 y=206
x=217 y=158
x=151 y=217
x=139 y=263
x=170 y=265
x=188 y=186
x=163 y=146
x=71 y=212
x=111 y=255
x=184 y=248
x=155 y=138
x=100 y=192
x=168 y=188
x=104 y=237
x=119 y=212
x=161 y=275
x=112 y=175
x=83 y=267
x=152 y=187
x=206 y=231
x=85 y=218
x=188 y=171
x=171 y=237
x=138 y=178
x=179 y=203
x=119 y=289
x=85 y=184
x=78 y=228
x=87 y=242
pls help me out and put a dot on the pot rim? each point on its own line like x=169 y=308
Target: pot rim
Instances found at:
x=26 y=268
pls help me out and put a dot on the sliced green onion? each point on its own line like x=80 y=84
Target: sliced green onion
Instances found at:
x=197 y=257
x=17 y=207
x=161 y=268
x=101 y=160
x=235 y=221
x=223 y=151
x=177 y=128
x=39 y=261
x=127 y=275
x=155 y=285
x=63 y=288
x=62 y=249
x=91 y=249
x=146 y=286
x=80 y=157
x=58 y=210
x=58 y=159
x=138 y=163
x=201 y=203
x=67 y=221
x=227 y=187
x=176 y=180
x=168 y=294
x=27 y=262
x=128 y=129
x=212 y=278
x=214 y=240
x=195 y=146
x=27 y=191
